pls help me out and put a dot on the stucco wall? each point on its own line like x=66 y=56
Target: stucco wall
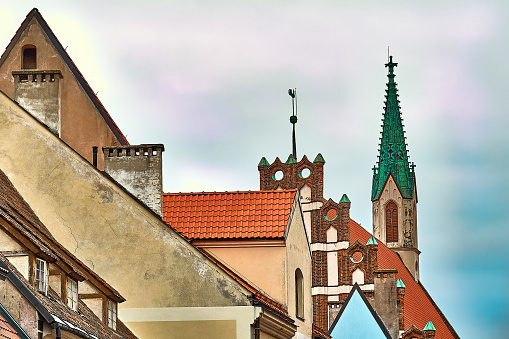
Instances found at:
x=263 y=266
x=127 y=245
x=81 y=125
x=298 y=255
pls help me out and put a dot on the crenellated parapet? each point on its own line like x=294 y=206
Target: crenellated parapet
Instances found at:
x=293 y=175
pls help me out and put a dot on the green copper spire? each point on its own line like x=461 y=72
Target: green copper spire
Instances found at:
x=393 y=156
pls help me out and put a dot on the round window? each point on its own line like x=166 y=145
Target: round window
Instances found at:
x=331 y=215
x=357 y=257
x=305 y=173
x=278 y=176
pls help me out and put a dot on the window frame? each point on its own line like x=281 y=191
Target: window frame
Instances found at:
x=41 y=276
x=112 y=315
x=72 y=294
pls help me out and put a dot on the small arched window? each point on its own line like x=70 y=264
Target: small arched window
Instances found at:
x=299 y=294
x=29 y=60
x=391 y=222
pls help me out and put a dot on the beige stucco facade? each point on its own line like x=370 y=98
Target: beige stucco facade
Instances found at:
x=124 y=242
x=80 y=124
x=271 y=266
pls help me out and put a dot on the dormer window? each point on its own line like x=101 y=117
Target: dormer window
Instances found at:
x=112 y=315
x=29 y=57
x=72 y=294
x=41 y=276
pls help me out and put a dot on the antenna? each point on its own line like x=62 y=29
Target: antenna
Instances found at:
x=388 y=52
x=293 y=119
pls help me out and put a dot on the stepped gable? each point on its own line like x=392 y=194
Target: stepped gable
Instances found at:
x=229 y=215
x=34 y=13
x=419 y=307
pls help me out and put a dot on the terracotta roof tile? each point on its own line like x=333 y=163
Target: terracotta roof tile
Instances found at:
x=6 y=330
x=419 y=307
x=232 y=215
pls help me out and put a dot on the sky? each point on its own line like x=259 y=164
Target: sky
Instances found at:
x=210 y=80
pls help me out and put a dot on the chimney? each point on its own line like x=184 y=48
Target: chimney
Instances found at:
x=139 y=170
x=386 y=299
x=37 y=91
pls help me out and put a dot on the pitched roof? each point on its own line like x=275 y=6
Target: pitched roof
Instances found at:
x=9 y=327
x=419 y=306
x=34 y=13
x=17 y=213
x=84 y=322
x=229 y=215
x=358 y=319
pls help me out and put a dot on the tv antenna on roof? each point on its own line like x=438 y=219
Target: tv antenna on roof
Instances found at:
x=293 y=119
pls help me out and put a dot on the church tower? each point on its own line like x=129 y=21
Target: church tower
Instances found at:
x=394 y=192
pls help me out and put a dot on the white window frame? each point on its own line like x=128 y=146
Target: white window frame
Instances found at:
x=112 y=315
x=72 y=294
x=41 y=275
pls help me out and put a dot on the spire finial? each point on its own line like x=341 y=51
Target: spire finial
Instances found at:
x=293 y=119
x=391 y=66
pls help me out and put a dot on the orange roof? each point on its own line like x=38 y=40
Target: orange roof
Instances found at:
x=229 y=215
x=419 y=307
x=6 y=330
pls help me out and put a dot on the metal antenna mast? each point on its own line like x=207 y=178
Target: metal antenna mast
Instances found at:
x=293 y=119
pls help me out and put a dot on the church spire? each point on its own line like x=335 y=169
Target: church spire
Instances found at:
x=393 y=157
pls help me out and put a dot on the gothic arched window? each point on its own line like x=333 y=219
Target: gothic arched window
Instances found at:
x=391 y=222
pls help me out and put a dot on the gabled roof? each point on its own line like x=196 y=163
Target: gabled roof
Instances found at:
x=34 y=13
x=16 y=212
x=419 y=306
x=229 y=215
x=358 y=319
x=83 y=323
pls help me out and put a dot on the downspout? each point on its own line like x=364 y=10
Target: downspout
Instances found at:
x=257 y=329
x=59 y=333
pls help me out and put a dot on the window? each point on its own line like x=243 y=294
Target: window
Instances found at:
x=72 y=294
x=391 y=222
x=299 y=294
x=40 y=326
x=112 y=315
x=40 y=275
x=29 y=57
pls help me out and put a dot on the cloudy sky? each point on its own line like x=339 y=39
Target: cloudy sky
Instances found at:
x=209 y=80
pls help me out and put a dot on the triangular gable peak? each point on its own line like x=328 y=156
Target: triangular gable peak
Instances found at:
x=83 y=120
x=358 y=319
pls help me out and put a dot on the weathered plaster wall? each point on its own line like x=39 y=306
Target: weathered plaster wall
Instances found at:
x=81 y=124
x=298 y=255
x=130 y=247
x=264 y=266
x=19 y=307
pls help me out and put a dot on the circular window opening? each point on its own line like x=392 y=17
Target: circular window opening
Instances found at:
x=305 y=173
x=357 y=257
x=331 y=215
x=278 y=176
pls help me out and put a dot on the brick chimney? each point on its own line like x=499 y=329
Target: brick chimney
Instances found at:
x=386 y=299
x=139 y=169
x=37 y=91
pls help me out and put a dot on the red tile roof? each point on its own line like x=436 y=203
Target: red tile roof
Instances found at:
x=419 y=307
x=229 y=215
x=6 y=330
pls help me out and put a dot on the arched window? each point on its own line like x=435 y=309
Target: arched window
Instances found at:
x=391 y=222
x=299 y=294
x=29 y=60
